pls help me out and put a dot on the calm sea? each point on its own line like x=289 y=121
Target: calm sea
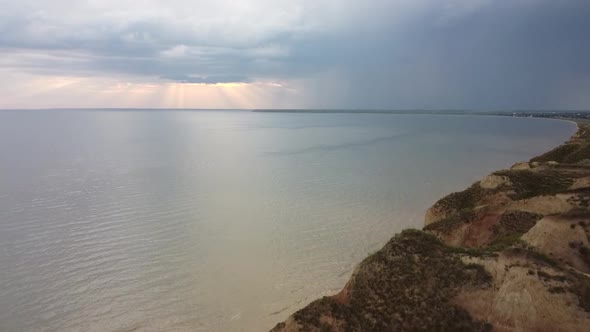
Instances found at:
x=218 y=220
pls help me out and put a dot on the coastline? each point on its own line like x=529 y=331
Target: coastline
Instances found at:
x=503 y=222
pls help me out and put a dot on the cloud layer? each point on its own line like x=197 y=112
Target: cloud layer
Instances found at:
x=386 y=54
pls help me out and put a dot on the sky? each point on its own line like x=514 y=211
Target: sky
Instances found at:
x=322 y=54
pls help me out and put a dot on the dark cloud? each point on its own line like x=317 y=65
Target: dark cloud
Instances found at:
x=476 y=54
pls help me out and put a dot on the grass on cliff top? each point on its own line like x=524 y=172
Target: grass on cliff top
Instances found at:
x=527 y=184
x=576 y=156
x=574 y=151
x=560 y=154
x=462 y=200
x=406 y=286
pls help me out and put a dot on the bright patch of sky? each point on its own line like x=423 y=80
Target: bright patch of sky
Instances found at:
x=375 y=54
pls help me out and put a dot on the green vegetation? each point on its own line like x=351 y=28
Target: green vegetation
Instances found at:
x=559 y=154
x=491 y=250
x=536 y=255
x=407 y=285
x=458 y=208
x=461 y=201
x=517 y=222
x=583 y=152
x=507 y=233
x=505 y=241
x=510 y=228
x=472 y=252
x=527 y=184
x=583 y=132
x=575 y=151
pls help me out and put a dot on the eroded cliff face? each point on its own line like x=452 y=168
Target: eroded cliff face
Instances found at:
x=409 y=284
x=510 y=253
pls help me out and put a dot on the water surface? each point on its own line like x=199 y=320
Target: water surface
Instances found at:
x=218 y=220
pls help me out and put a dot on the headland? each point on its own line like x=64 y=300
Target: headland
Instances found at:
x=509 y=253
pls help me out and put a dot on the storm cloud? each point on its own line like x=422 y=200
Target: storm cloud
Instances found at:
x=377 y=54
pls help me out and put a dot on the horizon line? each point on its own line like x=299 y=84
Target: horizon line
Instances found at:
x=357 y=110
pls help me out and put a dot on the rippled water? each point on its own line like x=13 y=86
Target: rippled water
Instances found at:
x=218 y=220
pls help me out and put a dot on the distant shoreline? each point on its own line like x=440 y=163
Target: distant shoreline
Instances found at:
x=580 y=116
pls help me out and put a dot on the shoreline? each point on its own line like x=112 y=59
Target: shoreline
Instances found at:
x=504 y=217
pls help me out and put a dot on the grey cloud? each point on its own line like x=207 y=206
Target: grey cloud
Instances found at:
x=207 y=79
x=479 y=54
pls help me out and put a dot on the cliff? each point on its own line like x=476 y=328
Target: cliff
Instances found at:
x=510 y=253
